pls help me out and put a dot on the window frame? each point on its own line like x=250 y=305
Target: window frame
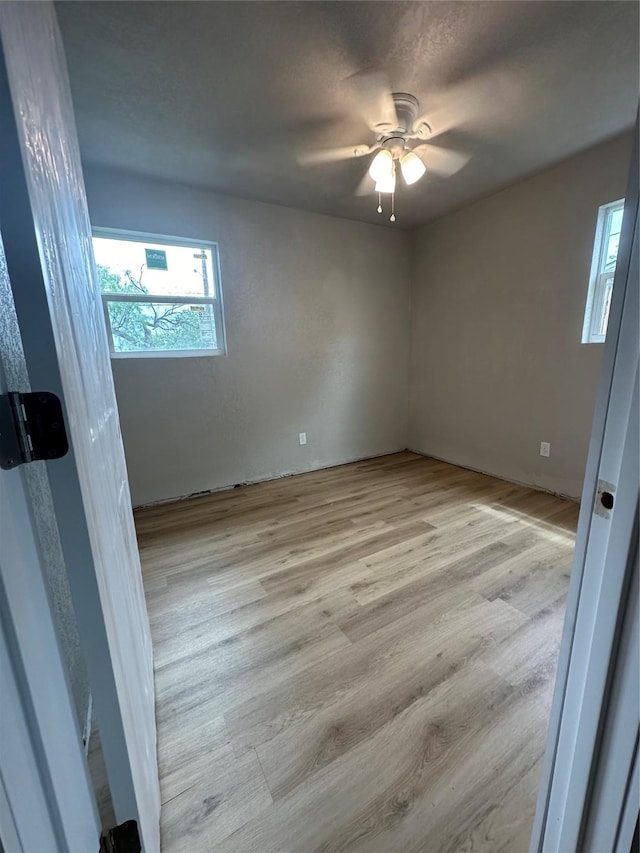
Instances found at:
x=216 y=301
x=596 y=293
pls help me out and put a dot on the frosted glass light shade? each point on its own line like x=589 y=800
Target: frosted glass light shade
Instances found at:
x=382 y=165
x=412 y=167
x=387 y=184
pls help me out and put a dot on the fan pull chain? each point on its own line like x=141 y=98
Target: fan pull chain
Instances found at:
x=379 y=202
x=392 y=218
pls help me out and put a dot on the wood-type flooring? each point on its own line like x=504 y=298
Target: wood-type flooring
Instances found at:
x=356 y=659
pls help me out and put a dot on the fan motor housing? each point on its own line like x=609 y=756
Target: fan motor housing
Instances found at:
x=406 y=109
x=395 y=144
x=407 y=126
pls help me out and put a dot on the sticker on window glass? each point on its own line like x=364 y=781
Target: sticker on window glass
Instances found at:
x=156 y=259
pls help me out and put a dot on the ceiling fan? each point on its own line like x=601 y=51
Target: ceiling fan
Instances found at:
x=394 y=118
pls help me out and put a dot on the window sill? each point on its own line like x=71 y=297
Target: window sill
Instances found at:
x=153 y=354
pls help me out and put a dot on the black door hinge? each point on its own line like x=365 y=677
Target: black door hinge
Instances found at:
x=123 y=838
x=31 y=428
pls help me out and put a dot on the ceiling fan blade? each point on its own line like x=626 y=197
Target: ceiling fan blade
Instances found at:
x=366 y=186
x=332 y=155
x=372 y=98
x=442 y=161
x=421 y=129
x=467 y=104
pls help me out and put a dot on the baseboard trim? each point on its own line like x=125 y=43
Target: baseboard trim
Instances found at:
x=533 y=486
x=253 y=482
x=270 y=479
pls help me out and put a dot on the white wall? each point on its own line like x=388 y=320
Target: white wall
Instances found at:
x=499 y=291
x=317 y=322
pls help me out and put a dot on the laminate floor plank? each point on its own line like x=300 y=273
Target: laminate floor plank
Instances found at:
x=231 y=789
x=425 y=634
x=292 y=572
x=229 y=670
x=356 y=659
x=455 y=574
x=545 y=583
x=192 y=753
x=175 y=611
x=254 y=619
x=300 y=750
x=423 y=780
x=506 y=826
x=393 y=567
x=530 y=653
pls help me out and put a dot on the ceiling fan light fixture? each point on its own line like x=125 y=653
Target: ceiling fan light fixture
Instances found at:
x=387 y=183
x=381 y=167
x=412 y=167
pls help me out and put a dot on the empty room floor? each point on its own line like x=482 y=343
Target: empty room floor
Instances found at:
x=355 y=659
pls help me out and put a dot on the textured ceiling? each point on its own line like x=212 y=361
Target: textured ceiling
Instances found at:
x=226 y=94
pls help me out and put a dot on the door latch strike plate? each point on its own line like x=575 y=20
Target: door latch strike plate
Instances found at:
x=605 y=498
x=31 y=428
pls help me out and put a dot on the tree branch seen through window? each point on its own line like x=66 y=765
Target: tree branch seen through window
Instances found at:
x=168 y=307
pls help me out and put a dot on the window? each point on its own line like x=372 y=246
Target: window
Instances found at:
x=603 y=267
x=161 y=296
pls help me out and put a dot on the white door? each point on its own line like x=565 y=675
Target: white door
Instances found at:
x=46 y=800
x=47 y=241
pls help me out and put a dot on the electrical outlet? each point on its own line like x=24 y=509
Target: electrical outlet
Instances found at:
x=302 y=437
x=545 y=448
